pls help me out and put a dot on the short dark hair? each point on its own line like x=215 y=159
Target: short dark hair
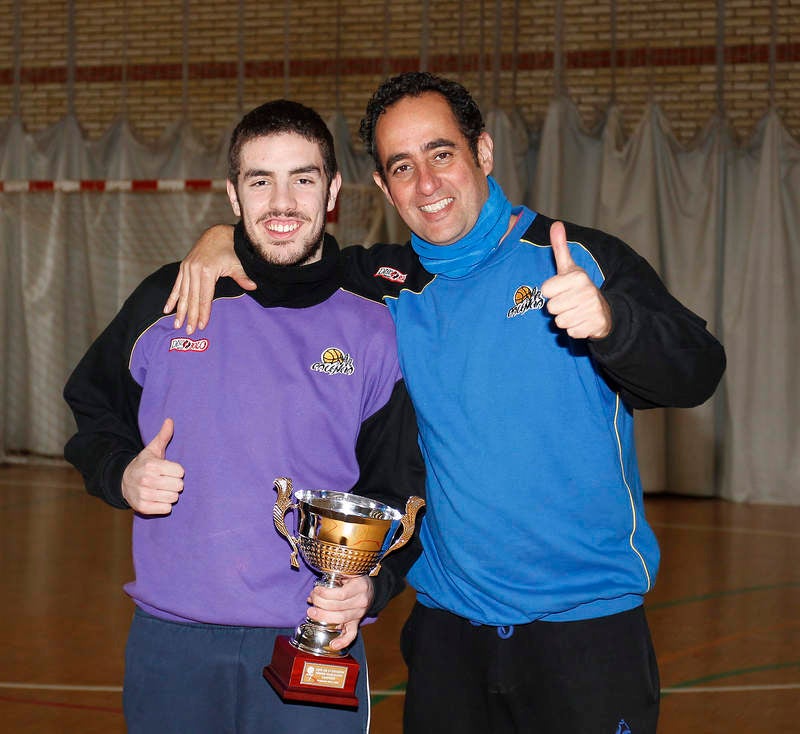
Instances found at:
x=277 y=117
x=413 y=84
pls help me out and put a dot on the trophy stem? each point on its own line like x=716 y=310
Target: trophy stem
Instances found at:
x=316 y=637
x=329 y=580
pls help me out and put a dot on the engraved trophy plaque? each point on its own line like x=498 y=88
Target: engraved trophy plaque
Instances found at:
x=339 y=535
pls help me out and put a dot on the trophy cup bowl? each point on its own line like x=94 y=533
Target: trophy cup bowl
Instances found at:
x=339 y=535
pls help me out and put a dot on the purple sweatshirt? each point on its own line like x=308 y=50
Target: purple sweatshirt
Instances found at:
x=311 y=391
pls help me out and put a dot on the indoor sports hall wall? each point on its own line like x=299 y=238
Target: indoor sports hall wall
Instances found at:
x=671 y=124
x=157 y=60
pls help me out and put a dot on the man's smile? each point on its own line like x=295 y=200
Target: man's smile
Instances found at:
x=437 y=206
x=282 y=227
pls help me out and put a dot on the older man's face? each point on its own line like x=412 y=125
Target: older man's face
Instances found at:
x=430 y=174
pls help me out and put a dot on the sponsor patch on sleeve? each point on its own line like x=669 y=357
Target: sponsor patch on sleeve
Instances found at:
x=387 y=273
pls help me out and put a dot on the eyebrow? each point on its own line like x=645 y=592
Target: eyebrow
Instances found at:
x=256 y=172
x=430 y=145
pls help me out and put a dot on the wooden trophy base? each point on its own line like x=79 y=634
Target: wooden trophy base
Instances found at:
x=300 y=676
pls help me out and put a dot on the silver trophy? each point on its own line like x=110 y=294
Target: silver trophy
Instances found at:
x=339 y=535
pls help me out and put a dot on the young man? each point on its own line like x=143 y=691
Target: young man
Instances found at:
x=190 y=434
x=526 y=345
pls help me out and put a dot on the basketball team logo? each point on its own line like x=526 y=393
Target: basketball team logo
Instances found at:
x=525 y=299
x=183 y=344
x=333 y=361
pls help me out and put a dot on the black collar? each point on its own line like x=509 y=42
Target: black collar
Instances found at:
x=290 y=286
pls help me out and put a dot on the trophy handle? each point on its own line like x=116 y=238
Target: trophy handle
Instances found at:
x=283 y=485
x=413 y=506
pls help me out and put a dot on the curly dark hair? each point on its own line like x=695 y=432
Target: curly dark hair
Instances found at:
x=277 y=117
x=413 y=84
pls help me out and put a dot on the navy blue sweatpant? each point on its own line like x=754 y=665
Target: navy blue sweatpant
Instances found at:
x=207 y=679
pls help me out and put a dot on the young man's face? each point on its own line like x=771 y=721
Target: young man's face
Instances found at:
x=431 y=176
x=282 y=197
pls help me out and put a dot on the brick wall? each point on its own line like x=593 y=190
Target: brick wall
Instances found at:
x=132 y=54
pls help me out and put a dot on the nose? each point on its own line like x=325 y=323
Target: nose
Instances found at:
x=282 y=198
x=427 y=180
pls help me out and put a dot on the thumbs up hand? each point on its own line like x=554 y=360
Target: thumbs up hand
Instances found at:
x=572 y=298
x=151 y=485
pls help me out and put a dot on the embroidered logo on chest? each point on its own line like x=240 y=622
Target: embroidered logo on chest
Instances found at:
x=182 y=344
x=334 y=361
x=395 y=276
x=525 y=299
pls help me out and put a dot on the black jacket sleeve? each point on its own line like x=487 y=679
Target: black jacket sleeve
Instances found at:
x=104 y=398
x=392 y=470
x=659 y=353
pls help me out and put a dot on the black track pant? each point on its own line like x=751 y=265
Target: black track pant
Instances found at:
x=596 y=676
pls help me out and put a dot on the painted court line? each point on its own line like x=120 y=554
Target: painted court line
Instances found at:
x=15 y=484
x=722 y=594
x=59 y=687
x=734 y=689
x=730 y=531
x=401 y=692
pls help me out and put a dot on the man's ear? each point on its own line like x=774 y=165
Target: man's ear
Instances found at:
x=381 y=184
x=333 y=190
x=233 y=198
x=485 y=152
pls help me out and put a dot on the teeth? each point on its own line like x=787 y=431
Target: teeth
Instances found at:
x=437 y=206
x=283 y=228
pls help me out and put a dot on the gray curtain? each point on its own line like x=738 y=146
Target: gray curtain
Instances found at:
x=719 y=221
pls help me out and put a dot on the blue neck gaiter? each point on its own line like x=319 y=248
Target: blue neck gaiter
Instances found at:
x=461 y=257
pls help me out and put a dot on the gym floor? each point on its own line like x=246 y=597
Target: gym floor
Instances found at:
x=725 y=614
